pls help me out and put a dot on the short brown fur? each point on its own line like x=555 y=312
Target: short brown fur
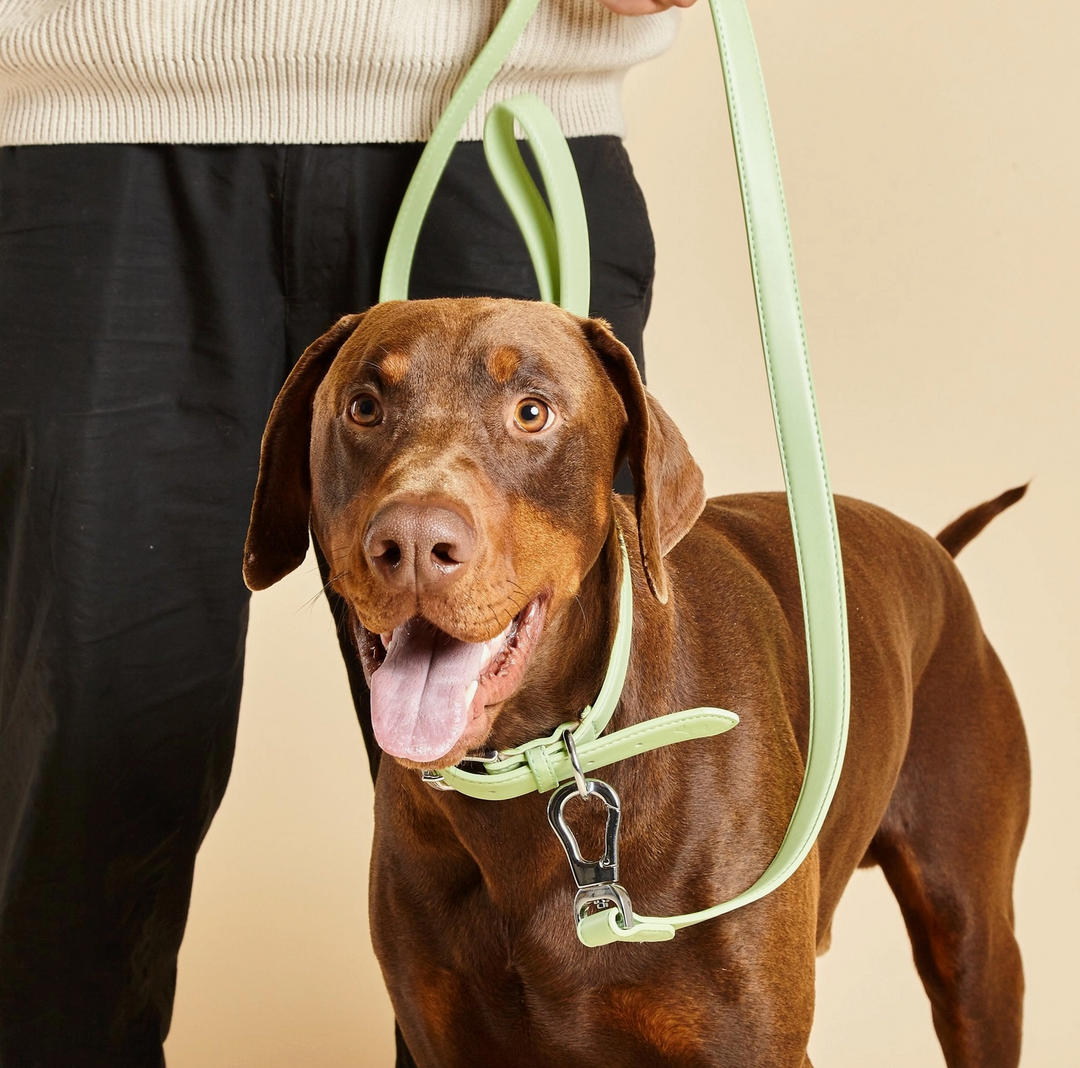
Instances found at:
x=471 y=900
x=502 y=362
x=393 y=367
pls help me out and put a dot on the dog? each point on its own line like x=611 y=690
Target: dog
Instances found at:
x=454 y=459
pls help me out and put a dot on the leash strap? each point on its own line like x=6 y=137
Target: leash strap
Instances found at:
x=397 y=265
x=810 y=502
x=558 y=241
x=813 y=516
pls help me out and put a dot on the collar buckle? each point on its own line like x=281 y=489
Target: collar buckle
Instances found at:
x=435 y=780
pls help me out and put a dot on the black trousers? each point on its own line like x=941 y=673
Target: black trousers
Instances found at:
x=152 y=300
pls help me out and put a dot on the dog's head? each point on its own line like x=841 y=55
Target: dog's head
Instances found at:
x=454 y=459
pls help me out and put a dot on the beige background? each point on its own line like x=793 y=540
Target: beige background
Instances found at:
x=930 y=155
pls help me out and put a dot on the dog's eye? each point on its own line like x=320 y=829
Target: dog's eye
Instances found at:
x=365 y=410
x=532 y=415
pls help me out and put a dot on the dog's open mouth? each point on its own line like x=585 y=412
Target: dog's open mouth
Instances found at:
x=429 y=690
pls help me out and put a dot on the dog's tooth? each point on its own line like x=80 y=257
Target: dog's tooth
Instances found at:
x=470 y=693
x=386 y=639
x=485 y=656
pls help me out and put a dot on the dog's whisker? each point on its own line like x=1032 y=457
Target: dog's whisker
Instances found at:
x=581 y=608
x=496 y=616
x=324 y=589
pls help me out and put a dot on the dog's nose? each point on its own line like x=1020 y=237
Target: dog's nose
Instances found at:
x=419 y=547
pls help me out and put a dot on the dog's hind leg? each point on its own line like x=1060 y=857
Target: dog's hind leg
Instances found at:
x=948 y=846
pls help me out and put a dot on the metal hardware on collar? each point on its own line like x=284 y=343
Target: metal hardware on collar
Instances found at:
x=571 y=752
x=489 y=756
x=597 y=880
x=434 y=780
x=588 y=872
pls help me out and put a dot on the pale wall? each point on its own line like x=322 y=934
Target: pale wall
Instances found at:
x=930 y=157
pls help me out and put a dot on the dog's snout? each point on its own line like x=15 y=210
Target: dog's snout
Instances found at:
x=417 y=546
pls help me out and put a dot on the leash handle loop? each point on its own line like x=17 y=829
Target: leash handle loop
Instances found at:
x=557 y=240
x=397 y=265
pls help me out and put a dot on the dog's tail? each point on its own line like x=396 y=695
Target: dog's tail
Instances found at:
x=960 y=531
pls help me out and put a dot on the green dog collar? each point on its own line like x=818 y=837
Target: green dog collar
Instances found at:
x=542 y=764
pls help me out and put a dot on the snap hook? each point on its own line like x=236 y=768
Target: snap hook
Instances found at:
x=597 y=880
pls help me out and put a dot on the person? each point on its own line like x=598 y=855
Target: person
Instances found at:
x=189 y=194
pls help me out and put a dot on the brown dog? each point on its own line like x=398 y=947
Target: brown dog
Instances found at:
x=455 y=460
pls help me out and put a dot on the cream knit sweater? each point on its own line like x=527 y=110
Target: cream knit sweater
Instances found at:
x=297 y=71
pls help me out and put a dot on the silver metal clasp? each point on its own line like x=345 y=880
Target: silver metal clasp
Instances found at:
x=435 y=780
x=485 y=756
x=597 y=880
x=579 y=775
x=588 y=872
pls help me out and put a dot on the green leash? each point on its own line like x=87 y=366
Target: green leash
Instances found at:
x=558 y=246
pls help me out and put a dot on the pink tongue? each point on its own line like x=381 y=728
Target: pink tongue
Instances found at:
x=418 y=708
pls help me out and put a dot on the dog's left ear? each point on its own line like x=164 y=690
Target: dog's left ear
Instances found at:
x=669 y=489
x=277 y=537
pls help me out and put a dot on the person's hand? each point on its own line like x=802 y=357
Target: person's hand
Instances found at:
x=643 y=7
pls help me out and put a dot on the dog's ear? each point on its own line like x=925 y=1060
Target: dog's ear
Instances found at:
x=669 y=490
x=277 y=537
